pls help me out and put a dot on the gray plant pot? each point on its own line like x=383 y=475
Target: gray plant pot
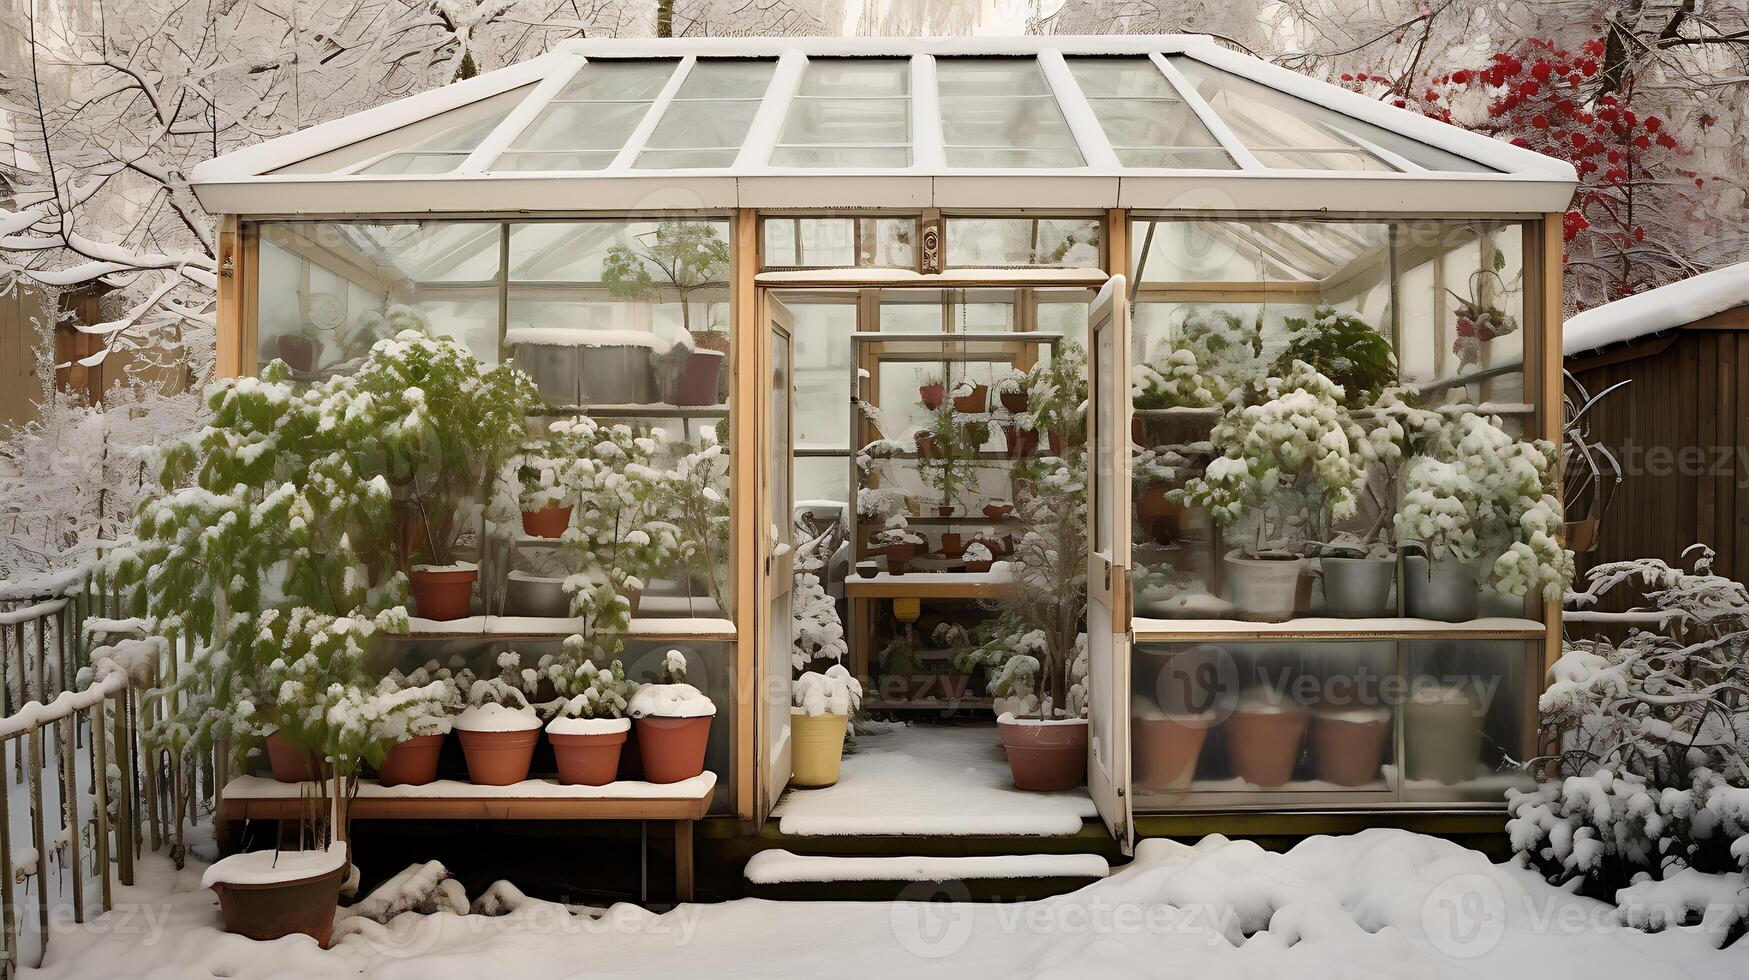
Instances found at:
x=1358 y=587
x=556 y=370
x=1443 y=590
x=617 y=375
x=1264 y=589
x=1442 y=736
x=528 y=595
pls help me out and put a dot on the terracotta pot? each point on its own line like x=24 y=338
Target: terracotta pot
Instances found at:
x=588 y=760
x=633 y=598
x=900 y=555
x=270 y=910
x=1265 y=590
x=817 y=748
x=997 y=512
x=498 y=758
x=290 y=763
x=1262 y=746
x=974 y=403
x=442 y=594
x=926 y=448
x=1021 y=442
x=412 y=762
x=1014 y=401
x=932 y=395
x=1160 y=517
x=1056 y=444
x=673 y=748
x=1138 y=435
x=1167 y=749
x=945 y=510
x=951 y=544
x=979 y=566
x=1045 y=756
x=1349 y=746
x=696 y=383
x=298 y=352
x=548 y=522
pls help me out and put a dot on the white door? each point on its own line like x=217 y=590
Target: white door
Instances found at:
x=1108 y=559
x=777 y=545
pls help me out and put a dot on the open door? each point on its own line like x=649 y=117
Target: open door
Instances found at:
x=1108 y=559
x=777 y=545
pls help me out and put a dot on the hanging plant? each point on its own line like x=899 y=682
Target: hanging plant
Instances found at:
x=1479 y=321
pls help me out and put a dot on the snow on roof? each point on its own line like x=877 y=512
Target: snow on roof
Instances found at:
x=687 y=122
x=1657 y=310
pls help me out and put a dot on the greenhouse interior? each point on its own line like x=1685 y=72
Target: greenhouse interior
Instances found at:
x=1124 y=378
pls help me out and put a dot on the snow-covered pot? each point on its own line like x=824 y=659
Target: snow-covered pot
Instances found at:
x=1161 y=518
x=1173 y=426
x=548 y=522
x=412 y=762
x=588 y=749
x=266 y=895
x=290 y=763
x=498 y=742
x=1356 y=588
x=1442 y=734
x=1264 y=590
x=1045 y=754
x=674 y=726
x=1444 y=590
x=1167 y=747
x=298 y=352
x=443 y=592
x=696 y=381
x=1263 y=741
x=932 y=395
x=1014 y=401
x=817 y=747
x=899 y=555
x=535 y=595
x=973 y=402
x=633 y=598
x=555 y=368
x=1348 y=744
x=618 y=374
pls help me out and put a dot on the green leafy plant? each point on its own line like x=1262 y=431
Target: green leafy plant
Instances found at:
x=1057 y=395
x=688 y=255
x=1342 y=347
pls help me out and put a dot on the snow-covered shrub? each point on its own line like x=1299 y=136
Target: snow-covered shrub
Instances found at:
x=1650 y=775
x=819 y=633
x=1172 y=380
x=1344 y=348
x=896 y=531
x=1479 y=494
x=671 y=696
x=1294 y=438
x=587 y=691
x=833 y=692
x=1056 y=395
x=977 y=551
x=695 y=490
x=1228 y=350
x=430 y=714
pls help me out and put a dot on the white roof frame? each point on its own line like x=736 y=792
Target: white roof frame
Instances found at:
x=244 y=182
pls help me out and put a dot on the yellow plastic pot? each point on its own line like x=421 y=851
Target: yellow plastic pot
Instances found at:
x=817 y=746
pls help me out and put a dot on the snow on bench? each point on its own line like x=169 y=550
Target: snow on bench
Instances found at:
x=776 y=867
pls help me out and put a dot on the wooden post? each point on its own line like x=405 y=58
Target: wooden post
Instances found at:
x=1551 y=386
x=8 y=915
x=229 y=363
x=70 y=813
x=100 y=783
x=746 y=333
x=683 y=882
x=36 y=834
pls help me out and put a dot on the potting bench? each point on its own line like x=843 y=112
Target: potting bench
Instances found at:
x=863 y=593
x=682 y=804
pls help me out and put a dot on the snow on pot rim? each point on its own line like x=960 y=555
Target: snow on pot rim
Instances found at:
x=274 y=866
x=1010 y=718
x=494 y=717
x=588 y=726
x=1145 y=709
x=670 y=701
x=460 y=566
x=1266 y=704
x=583 y=337
x=1354 y=715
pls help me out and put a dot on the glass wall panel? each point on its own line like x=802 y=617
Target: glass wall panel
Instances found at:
x=1464 y=719
x=849 y=112
x=1001 y=113
x=586 y=124
x=806 y=242
x=1062 y=243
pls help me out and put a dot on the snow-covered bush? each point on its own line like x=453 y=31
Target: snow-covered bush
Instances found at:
x=588 y=691
x=1294 y=438
x=671 y=696
x=896 y=531
x=977 y=551
x=1056 y=395
x=1344 y=348
x=833 y=692
x=1172 y=380
x=430 y=713
x=1650 y=775
x=1479 y=494
x=819 y=633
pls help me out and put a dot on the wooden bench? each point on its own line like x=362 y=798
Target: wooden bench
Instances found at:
x=682 y=803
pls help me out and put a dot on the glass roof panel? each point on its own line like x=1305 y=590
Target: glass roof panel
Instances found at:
x=710 y=112
x=586 y=124
x=1143 y=115
x=849 y=112
x=999 y=112
x=618 y=81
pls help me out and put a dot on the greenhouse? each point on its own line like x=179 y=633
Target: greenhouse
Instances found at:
x=1126 y=379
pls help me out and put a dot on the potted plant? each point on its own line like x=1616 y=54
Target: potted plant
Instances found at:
x=978 y=557
x=1479 y=319
x=627 y=527
x=1344 y=348
x=1442 y=733
x=1011 y=392
x=1348 y=742
x=676 y=259
x=898 y=542
x=1166 y=746
x=673 y=721
x=301 y=349
x=931 y=391
x=589 y=730
x=1173 y=402
x=1264 y=733
x=498 y=729
x=1289 y=454
x=550 y=476
x=687 y=374
x=415 y=738
x=821 y=714
x=455 y=421
x=971 y=398
x=999 y=509
x=1056 y=392
x=1154 y=472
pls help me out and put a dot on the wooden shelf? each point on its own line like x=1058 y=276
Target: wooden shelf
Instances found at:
x=1147 y=630
x=939 y=704
x=636 y=411
x=929 y=585
x=559 y=627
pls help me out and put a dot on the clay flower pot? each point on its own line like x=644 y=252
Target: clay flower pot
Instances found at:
x=696 y=382
x=1163 y=519
x=1056 y=444
x=997 y=512
x=298 y=352
x=979 y=566
x=290 y=763
x=1348 y=745
x=673 y=748
x=548 y=522
x=1167 y=748
x=1021 y=442
x=257 y=899
x=900 y=555
x=442 y=593
x=975 y=402
x=1014 y=401
x=951 y=544
x=926 y=448
x=498 y=743
x=817 y=743
x=588 y=749
x=1045 y=755
x=412 y=762
x=932 y=395
x=1264 y=590
x=1263 y=742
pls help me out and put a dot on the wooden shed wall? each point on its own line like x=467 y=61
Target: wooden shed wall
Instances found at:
x=19 y=385
x=1681 y=431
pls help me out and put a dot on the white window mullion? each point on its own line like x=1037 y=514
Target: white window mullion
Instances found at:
x=653 y=115
x=767 y=124
x=927 y=152
x=1217 y=126
x=520 y=117
x=1096 y=150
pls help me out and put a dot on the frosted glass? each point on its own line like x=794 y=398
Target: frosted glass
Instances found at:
x=1128 y=78
x=1150 y=124
x=989 y=77
x=702 y=124
x=848 y=121
x=554 y=161
x=1175 y=159
x=872 y=157
x=614 y=81
x=726 y=80
x=999 y=113
x=416 y=163
x=582 y=127
x=686 y=159
x=862 y=77
x=979 y=156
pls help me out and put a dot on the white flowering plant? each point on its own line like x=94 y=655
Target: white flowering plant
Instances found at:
x=1171 y=379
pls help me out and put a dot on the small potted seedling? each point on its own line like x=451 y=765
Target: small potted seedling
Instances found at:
x=899 y=542
x=1011 y=392
x=932 y=392
x=498 y=729
x=302 y=348
x=415 y=740
x=820 y=716
x=673 y=720
x=589 y=731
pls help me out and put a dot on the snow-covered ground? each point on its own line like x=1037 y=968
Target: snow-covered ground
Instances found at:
x=1383 y=903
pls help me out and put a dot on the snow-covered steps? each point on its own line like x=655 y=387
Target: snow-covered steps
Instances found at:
x=779 y=873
